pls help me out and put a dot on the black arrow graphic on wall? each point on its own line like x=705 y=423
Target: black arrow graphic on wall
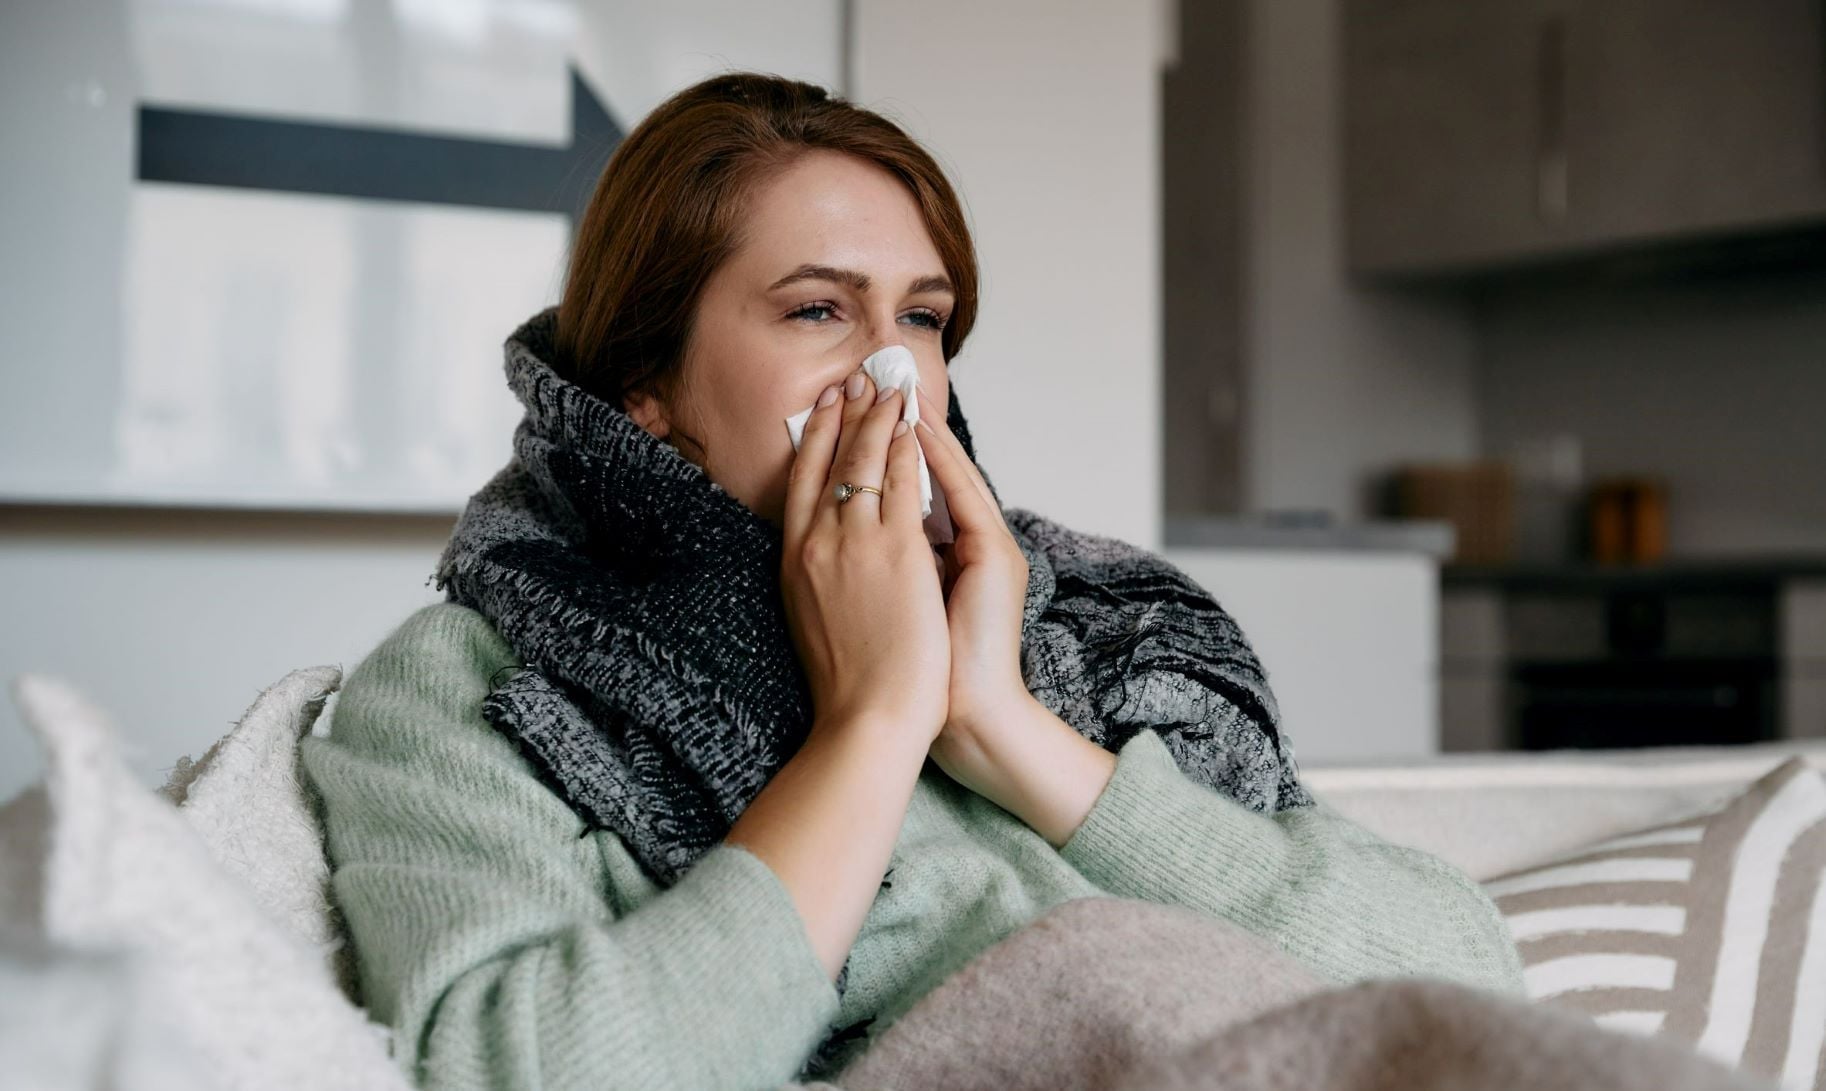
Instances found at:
x=251 y=152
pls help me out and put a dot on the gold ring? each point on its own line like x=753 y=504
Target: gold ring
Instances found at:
x=845 y=490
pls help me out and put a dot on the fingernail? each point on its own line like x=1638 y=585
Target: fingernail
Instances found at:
x=900 y=427
x=829 y=395
x=884 y=393
x=852 y=386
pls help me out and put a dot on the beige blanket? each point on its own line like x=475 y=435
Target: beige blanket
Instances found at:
x=1126 y=995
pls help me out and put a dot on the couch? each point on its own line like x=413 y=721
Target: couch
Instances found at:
x=148 y=936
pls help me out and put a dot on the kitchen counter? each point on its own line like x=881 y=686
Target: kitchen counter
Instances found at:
x=1269 y=531
x=1723 y=573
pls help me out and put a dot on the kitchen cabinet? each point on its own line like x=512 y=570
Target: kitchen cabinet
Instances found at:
x=1440 y=142
x=1803 y=621
x=1692 y=654
x=1201 y=390
x=1488 y=133
x=1349 y=640
x=1694 y=115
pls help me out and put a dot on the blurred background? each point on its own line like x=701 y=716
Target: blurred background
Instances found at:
x=1472 y=352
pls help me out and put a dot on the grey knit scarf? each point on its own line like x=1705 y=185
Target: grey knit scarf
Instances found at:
x=660 y=689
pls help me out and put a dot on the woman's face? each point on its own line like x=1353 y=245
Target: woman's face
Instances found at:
x=835 y=264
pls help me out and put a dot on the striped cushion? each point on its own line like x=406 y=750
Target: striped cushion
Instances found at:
x=1711 y=929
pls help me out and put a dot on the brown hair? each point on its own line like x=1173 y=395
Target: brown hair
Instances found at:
x=669 y=206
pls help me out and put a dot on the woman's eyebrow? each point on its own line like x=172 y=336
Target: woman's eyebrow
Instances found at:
x=858 y=280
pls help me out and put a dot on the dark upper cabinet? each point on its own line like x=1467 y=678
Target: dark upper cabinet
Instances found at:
x=1488 y=133
x=1440 y=132
x=1696 y=115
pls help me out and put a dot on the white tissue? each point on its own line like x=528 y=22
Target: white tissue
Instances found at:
x=894 y=366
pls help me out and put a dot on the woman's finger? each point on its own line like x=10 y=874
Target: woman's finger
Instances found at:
x=968 y=508
x=900 y=508
x=943 y=436
x=852 y=410
x=812 y=465
x=863 y=461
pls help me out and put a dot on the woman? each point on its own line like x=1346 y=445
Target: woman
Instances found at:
x=647 y=802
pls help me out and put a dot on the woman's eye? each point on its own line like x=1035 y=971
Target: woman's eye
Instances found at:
x=816 y=314
x=804 y=311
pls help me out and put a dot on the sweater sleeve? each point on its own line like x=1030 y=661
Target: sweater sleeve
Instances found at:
x=1322 y=888
x=482 y=915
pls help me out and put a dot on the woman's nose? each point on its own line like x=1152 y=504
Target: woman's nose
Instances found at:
x=878 y=346
x=882 y=327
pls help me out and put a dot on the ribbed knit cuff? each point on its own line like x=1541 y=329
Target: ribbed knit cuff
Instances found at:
x=1115 y=846
x=1158 y=835
x=1325 y=890
x=730 y=928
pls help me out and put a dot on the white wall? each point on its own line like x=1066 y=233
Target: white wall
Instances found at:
x=1046 y=113
x=1340 y=382
x=1718 y=386
x=174 y=622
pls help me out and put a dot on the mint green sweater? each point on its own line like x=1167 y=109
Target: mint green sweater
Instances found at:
x=510 y=947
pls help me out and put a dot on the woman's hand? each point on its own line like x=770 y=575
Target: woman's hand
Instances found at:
x=863 y=601
x=985 y=586
x=999 y=740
